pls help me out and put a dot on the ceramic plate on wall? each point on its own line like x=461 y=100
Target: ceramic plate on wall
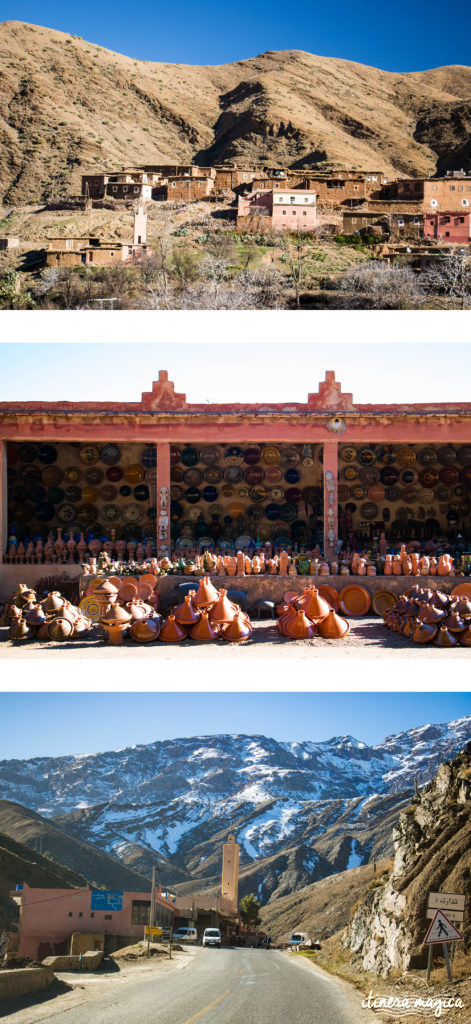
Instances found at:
x=47 y=454
x=209 y=494
x=446 y=455
x=449 y=475
x=141 y=492
x=132 y=513
x=273 y=475
x=369 y=475
x=149 y=458
x=464 y=455
x=290 y=457
x=73 y=474
x=270 y=455
x=193 y=477
x=343 y=493
x=258 y=494
x=254 y=475
x=427 y=456
x=348 y=453
x=349 y=473
x=94 y=476
x=134 y=473
x=87 y=514
x=233 y=474
x=89 y=454
x=293 y=495
x=367 y=456
x=405 y=457
x=209 y=455
x=213 y=475
x=110 y=454
x=30 y=474
x=52 y=476
x=189 y=457
x=27 y=453
x=111 y=513
x=234 y=455
x=369 y=510
x=252 y=456
x=66 y=513
x=192 y=495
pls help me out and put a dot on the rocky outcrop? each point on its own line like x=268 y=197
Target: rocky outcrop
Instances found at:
x=432 y=853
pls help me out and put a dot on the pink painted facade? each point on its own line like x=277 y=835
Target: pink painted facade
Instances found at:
x=448 y=227
x=285 y=210
x=48 y=917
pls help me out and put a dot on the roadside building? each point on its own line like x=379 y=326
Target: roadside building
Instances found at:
x=50 y=917
x=187 y=189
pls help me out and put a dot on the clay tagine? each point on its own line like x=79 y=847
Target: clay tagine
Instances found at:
x=53 y=603
x=185 y=614
x=444 y=638
x=239 y=629
x=171 y=631
x=60 y=628
x=300 y=628
x=115 y=619
x=18 y=630
x=334 y=627
x=206 y=595
x=203 y=630
x=145 y=631
x=314 y=606
x=223 y=611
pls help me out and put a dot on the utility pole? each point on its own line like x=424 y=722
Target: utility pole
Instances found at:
x=152 y=911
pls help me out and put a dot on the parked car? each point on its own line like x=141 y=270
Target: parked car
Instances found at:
x=185 y=935
x=212 y=937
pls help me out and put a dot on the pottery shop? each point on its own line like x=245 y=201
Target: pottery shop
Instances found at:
x=169 y=477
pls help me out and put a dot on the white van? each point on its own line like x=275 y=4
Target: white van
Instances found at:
x=299 y=939
x=185 y=935
x=212 y=937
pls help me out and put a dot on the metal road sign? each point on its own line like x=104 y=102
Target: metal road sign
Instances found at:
x=441 y=930
x=451 y=903
x=152 y=933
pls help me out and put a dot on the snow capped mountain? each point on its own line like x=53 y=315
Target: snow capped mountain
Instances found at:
x=178 y=798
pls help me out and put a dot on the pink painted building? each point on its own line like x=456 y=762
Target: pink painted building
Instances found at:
x=48 y=917
x=448 y=227
x=284 y=210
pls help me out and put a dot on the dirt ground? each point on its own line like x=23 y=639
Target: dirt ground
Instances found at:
x=368 y=638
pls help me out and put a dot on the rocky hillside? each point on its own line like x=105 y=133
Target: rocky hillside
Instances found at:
x=68 y=106
x=300 y=811
x=433 y=853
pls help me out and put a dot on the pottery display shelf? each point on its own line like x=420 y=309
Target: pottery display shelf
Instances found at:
x=435 y=618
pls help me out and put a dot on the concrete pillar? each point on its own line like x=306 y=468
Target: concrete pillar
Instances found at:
x=163 y=499
x=331 y=527
x=3 y=498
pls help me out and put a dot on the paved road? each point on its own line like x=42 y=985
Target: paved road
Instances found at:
x=229 y=986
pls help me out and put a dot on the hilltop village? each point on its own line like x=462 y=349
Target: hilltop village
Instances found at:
x=227 y=236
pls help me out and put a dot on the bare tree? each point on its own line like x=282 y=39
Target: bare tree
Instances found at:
x=295 y=257
x=379 y=286
x=450 y=275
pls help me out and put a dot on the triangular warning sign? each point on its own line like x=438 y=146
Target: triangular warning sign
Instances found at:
x=441 y=930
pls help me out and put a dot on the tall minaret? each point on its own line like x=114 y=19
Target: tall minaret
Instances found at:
x=230 y=872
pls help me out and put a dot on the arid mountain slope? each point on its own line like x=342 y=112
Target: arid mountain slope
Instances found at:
x=19 y=864
x=68 y=106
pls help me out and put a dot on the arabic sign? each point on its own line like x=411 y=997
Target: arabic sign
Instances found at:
x=441 y=930
x=103 y=899
x=152 y=933
x=452 y=903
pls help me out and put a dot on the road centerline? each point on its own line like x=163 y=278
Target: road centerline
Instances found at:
x=205 y=1009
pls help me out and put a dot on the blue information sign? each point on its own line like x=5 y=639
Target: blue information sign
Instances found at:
x=106 y=900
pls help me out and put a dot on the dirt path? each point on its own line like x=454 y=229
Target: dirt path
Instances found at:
x=368 y=638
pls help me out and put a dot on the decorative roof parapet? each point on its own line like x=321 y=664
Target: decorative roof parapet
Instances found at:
x=330 y=396
x=163 y=395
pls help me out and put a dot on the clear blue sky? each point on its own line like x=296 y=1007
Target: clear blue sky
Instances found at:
x=36 y=724
x=403 y=36
x=249 y=372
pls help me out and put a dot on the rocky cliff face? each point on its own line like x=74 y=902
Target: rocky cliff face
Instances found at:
x=433 y=853
x=290 y=108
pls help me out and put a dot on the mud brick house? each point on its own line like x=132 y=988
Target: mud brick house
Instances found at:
x=123 y=185
x=393 y=224
x=340 y=188
x=90 y=251
x=231 y=177
x=448 y=227
x=276 y=184
x=187 y=189
x=268 y=210
x=452 y=193
x=49 y=918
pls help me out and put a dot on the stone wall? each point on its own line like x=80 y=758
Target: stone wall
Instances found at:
x=27 y=979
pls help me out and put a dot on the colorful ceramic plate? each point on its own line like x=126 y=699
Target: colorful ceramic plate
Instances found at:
x=189 y=457
x=132 y=513
x=393 y=493
x=252 y=456
x=449 y=475
x=386 y=453
x=177 y=474
x=343 y=492
x=233 y=474
x=382 y=601
x=234 y=455
x=47 y=454
x=52 y=476
x=408 y=476
x=308 y=462
x=108 y=492
x=273 y=475
x=94 y=476
x=276 y=493
x=30 y=474
x=429 y=477
x=215 y=510
x=389 y=476
x=89 y=494
x=405 y=457
x=192 y=495
x=426 y=496
x=348 y=453
x=213 y=475
x=349 y=473
x=270 y=455
x=149 y=458
x=329 y=594
x=358 y=492
x=27 y=453
x=376 y=492
x=110 y=454
x=90 y=607
x=369 y=475
x=114 y=473
x=242 y=492
x=464 y=455
x=87 y=514
x=442 y=493
x=354 y=600
x=125 y=491
x=209 y=494
x=176 y=492
x=209 y=455
x=410 y=494
x=254 y=475
x=292 y=476
x=235 y=510
x=227 y=491
x=66 y=513
x=110 y=513
x=369 y=510
x=258 y=494
x=293 y=495
x=72 y=474
x=427 y=456
x=134 y=473
x=462 y=590
x=288 y=513
x=446 y=455
x=89 y=454
x=290 y=457
x=366 y=456
x=193 y=477
x=272 y=512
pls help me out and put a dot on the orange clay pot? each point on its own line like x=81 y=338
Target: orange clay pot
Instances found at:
x=206 y=595
x=409 y=626
x=285 y=619
x=444 y=638
x=237 y=630
x=431 y=615
x=224 y=610
x=203 y=630
x=115 y=619
x=60 y=628
x=300 y=628
x=333 y=627
x=424 y=632
x=18 y=630
x=127 y=591
x=36 y=616
x=454 y=623
x=185 y=614
x=465 y=638
x=313 y=605
x=138 y=609
x=106 y=591
x=171 y=632
x=145 y=631
x=53 y=603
